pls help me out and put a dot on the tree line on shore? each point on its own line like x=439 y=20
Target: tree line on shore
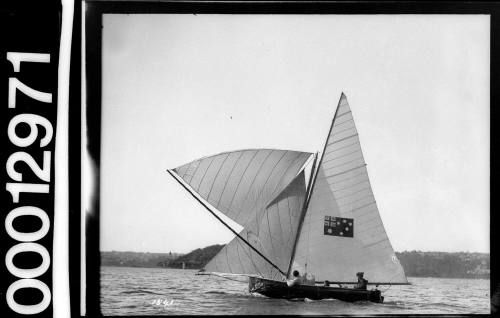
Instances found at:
x=415 y=263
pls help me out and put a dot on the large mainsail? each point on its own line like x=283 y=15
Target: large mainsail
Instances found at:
x=241 y=183
x=270 y=232
x=342 y=232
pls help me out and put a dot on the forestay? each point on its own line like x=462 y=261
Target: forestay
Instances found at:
x=272 y=233
x=241 y=183
x=342 y=231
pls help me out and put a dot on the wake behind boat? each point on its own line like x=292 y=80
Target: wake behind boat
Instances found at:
x=329 y=226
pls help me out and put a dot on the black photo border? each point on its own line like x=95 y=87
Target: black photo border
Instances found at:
x=93 y=64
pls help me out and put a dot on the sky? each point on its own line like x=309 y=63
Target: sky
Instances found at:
x=179 y=87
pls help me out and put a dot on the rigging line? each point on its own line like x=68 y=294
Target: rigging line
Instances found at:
x=304 y=211
x=312 y=182
x=249 y=255
x=220 y=220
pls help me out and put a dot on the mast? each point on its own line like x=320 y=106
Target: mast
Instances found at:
x=302 y=215
x=310 y=187
x=174 y=175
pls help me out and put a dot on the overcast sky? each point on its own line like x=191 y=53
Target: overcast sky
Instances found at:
x=180 y=87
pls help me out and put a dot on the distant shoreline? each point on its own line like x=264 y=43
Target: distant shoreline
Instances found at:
x=196 y=269
x=415 y=263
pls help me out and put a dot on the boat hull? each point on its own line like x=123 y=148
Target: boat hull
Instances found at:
x=278 y=289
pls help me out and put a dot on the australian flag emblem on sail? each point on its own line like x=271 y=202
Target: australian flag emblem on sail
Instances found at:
x=337 y=226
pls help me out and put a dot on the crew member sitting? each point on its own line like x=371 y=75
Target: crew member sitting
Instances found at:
x=327 y=283
x=296 y=280
x=361 y=281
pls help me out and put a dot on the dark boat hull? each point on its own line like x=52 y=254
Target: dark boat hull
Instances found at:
x=278 y=289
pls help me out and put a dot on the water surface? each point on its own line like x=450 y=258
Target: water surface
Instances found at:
x=158 y=291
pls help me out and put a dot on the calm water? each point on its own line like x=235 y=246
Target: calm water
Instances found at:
x=152 y=291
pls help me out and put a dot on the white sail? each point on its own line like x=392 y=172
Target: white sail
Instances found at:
x=271 y=233
x=241 y=183
x=342 y=232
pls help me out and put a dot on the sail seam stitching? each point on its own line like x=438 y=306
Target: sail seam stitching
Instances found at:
x=281 y=178
x=229 y=177
x=216 y=176
x=351 y=194
x=349 y=186
x=343 y=180
x=342 y=139
x=253 y=180
x=362 y=198
x=194 y=173
x=338 y=174
x=340 y=148
x=241 y=178
x=342 y=130
x=339 y=157
x=343 y=164
x=201 y=181
x=340 y=115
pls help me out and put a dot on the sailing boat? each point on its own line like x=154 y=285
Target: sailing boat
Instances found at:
x=329 y=227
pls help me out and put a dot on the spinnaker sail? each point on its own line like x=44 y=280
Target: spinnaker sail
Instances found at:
x=241 y=183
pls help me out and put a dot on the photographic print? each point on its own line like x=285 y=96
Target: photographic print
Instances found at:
x=311 y=164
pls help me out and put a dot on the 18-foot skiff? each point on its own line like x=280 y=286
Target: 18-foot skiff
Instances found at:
x=328 y=225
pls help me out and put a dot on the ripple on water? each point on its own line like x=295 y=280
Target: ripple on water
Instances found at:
x=136 y=291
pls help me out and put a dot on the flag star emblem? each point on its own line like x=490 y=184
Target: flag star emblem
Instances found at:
x=338 y=226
